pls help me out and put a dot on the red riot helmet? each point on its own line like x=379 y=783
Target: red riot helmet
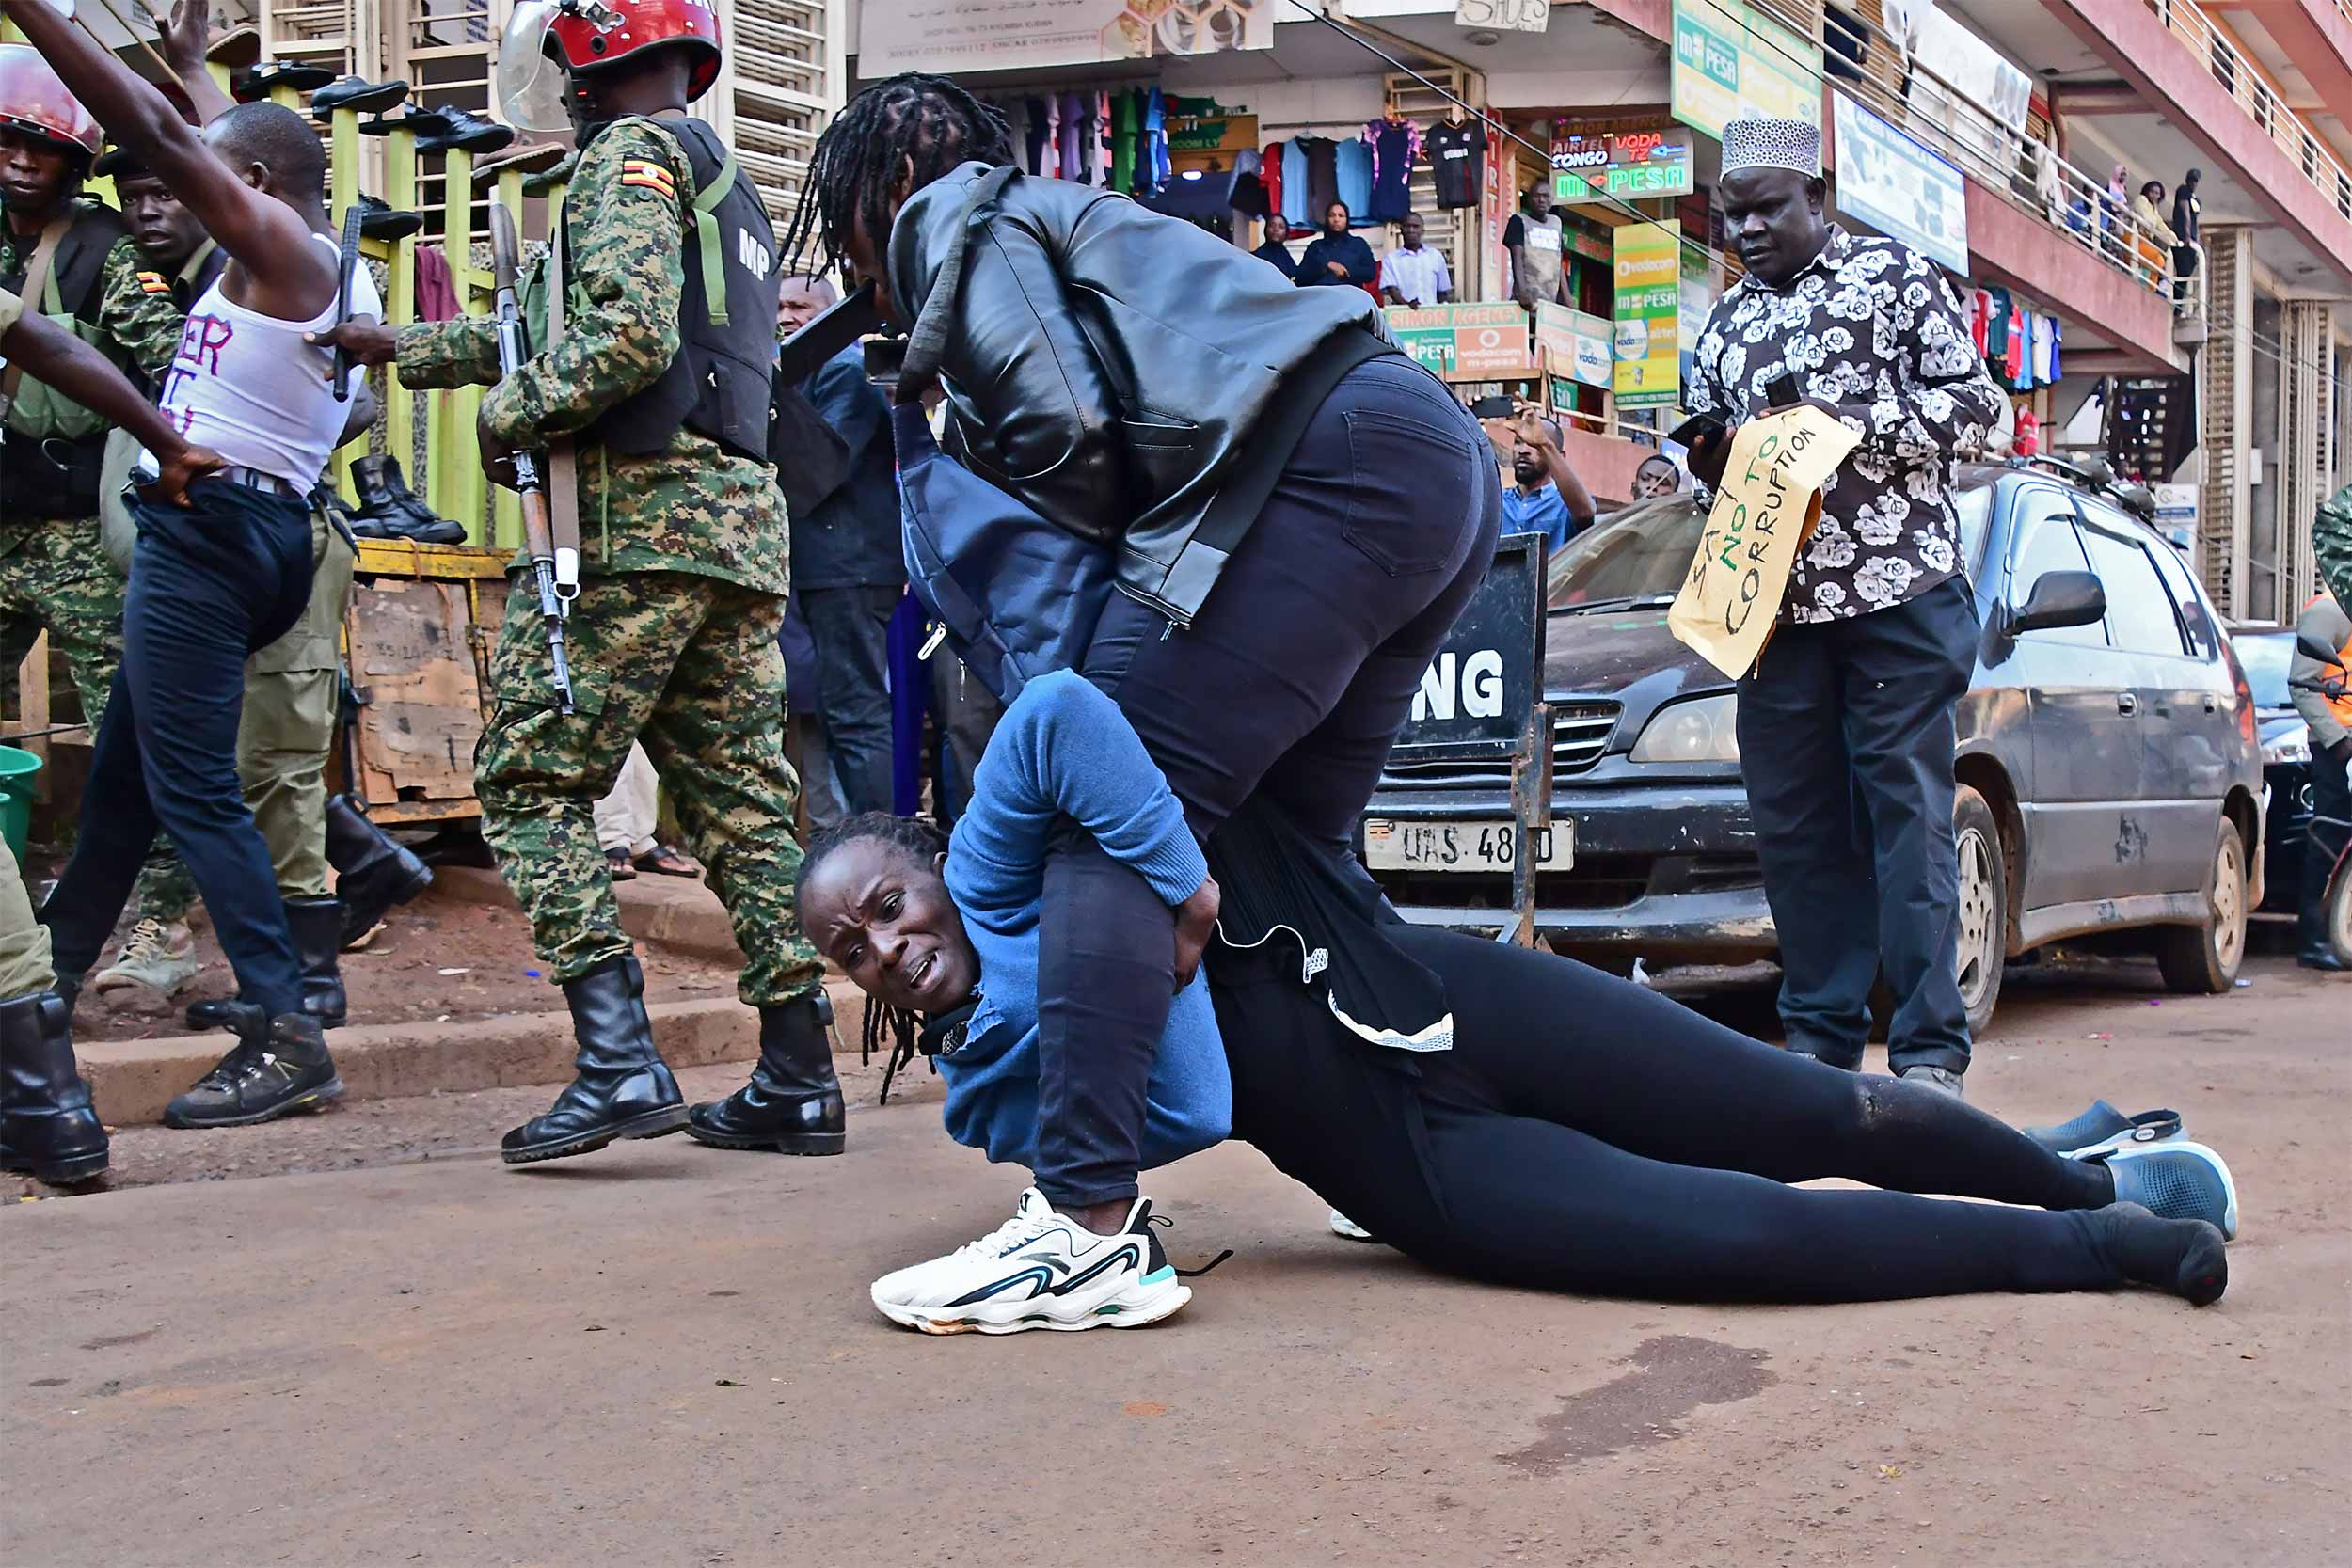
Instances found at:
x=35 y=103
x=582 y=37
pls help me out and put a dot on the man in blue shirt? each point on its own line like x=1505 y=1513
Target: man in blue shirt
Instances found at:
x=1547 y=497
x=847 y=569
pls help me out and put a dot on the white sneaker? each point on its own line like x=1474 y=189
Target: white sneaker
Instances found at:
x=1039 y=1269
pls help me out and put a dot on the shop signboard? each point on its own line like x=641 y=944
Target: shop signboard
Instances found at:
x=1575 y=343
x=2176 y=515
x=1503 y=16
x=1648 y=301
x=1730 y=62
x=1465 y=338
x=998 y=35
x=1896 y=185
x=1621 y=165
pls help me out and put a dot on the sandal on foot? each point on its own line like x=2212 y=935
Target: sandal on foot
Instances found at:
x=617 y=862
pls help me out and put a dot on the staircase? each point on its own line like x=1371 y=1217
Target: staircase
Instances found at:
x=2152 y=425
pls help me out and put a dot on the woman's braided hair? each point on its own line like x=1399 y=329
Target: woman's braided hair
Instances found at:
x=925 y=121
x=892 y=1030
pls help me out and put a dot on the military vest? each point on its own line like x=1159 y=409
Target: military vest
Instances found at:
x=54 y=448
x=718 y=384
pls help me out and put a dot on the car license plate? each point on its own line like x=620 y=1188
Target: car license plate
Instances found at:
x=1486 y=846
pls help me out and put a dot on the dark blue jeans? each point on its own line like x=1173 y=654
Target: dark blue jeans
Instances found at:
x=1294 y=679
x=1846 y=745
x=850 y=630
x=210 y=583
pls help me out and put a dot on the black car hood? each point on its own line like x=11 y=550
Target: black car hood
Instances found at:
x=1626 y=654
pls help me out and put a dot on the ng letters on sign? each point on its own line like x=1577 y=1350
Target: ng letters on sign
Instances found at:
x=1764 y=511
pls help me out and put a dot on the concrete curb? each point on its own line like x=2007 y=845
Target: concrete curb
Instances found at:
x=131 y=1081
x=679 y=914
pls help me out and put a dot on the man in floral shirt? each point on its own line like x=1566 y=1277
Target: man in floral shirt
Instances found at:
x=1846 y=723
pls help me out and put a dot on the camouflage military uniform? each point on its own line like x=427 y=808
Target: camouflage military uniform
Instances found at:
x=24 y=941
x=673 y=639
x=2332 y=544
x=55 y=575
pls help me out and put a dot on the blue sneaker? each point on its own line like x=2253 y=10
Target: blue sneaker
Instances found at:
x=2175 y=1181
x=2101 y=1124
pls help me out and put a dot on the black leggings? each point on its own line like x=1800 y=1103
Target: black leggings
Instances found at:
x=1293 y=681
x=1588 y=1135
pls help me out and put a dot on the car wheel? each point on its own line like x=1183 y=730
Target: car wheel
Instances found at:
x=1983 y=912
x=2202 y=960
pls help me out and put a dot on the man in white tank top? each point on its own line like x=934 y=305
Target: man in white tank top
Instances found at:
x=216 y=580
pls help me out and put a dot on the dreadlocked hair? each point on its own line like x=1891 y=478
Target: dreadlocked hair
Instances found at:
x=925 y=121
x=893 y=1030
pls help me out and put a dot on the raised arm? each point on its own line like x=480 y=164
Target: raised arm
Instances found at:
x=290 y=277
x=182 y=41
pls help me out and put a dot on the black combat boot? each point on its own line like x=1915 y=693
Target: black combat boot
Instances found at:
x=277 y=1066
x=624 y=1090
x=793 y=1103
x=389 y=509
x=47 y=1128
x=316 y=925
x=373 y=871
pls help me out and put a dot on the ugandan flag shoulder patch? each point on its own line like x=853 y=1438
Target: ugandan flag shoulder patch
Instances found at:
x=152 y=282
x=652 y=176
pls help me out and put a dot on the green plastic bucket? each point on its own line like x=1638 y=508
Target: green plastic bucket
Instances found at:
x=17 y=767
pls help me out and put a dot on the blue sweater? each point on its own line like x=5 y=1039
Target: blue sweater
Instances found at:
x=1061 y=750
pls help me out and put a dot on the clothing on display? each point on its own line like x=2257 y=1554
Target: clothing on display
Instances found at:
x=1246 y=195
x=1152 y=150
x=1351 y=162
x=1457 y=157
x=1270 y=175
x=1297 y=192
x=1979 y=316
x=1074 y=119
x=1323 y=177
x=1396 y=144
x=1126 y=121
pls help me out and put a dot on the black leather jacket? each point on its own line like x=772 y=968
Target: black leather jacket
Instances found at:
x=1133 y=379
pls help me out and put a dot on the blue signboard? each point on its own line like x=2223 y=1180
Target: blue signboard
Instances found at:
x=1892 y=181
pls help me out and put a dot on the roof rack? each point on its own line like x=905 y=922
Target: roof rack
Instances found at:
x=2097 y=476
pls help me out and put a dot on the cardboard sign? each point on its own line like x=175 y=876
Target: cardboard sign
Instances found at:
x=1767 y=505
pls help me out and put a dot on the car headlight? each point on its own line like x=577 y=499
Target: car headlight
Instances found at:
x=1704 y=730
x=2293 y=744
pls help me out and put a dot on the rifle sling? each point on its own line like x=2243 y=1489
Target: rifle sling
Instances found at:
x=562 y=478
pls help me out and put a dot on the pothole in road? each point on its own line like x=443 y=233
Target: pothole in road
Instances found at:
x=1672 y=1375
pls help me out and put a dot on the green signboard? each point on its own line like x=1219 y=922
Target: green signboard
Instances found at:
x=1731 y=61
x=1648 y=307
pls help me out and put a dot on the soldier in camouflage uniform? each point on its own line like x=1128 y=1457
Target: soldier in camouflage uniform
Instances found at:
x=661 y=382
x=55 y=575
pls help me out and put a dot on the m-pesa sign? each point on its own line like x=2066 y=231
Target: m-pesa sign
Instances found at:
x=1626 y=166
x=1465 y=338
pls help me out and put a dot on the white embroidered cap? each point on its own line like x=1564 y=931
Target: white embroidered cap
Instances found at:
x=1761 y=143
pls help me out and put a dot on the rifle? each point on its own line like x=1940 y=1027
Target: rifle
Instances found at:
x=555 y=605
x=347 y=263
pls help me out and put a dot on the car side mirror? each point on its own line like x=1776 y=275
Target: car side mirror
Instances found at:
x=2317 y=652
x=2059 y=599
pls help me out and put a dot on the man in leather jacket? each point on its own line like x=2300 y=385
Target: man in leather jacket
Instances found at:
x=1296 y=511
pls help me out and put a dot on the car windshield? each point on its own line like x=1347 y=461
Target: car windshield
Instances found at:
x=1632 y=557
x=2265 y=656
x=1638 y=556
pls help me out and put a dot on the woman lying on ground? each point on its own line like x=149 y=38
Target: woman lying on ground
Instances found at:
x=1549 y=1124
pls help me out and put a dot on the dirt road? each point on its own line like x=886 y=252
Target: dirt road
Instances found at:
x=662 y=1355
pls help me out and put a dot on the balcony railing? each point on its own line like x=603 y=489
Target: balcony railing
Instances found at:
x=2245 y=80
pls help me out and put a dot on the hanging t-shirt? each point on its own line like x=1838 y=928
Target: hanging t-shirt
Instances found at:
x=1270 y=175
x=1126 y=118
x=2058 y=345
x=1396 y=143
x=1457 y=157
x=1153 y=151
x=1980 y=317
x=2044 y=344
x=1353 y=169
x=1996 y=319
x=1103 y=154
x=1041 y=133
x=1297 y=194
x=1323 y=177
x=2014 y=355
x=1247 y=194
x=2028 y=438
x=1073 y=118
x=1542 y=239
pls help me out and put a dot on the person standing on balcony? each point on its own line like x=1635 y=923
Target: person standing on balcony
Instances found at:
x=1846 y=723
x=2186 y=212
x=2160 y=243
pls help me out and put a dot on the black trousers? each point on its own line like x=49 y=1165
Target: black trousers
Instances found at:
x=1588 y=1135
x=850 y=630
x=1846 y=746
x=1294 y=679
x=2331 y=820
x=210 y=583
